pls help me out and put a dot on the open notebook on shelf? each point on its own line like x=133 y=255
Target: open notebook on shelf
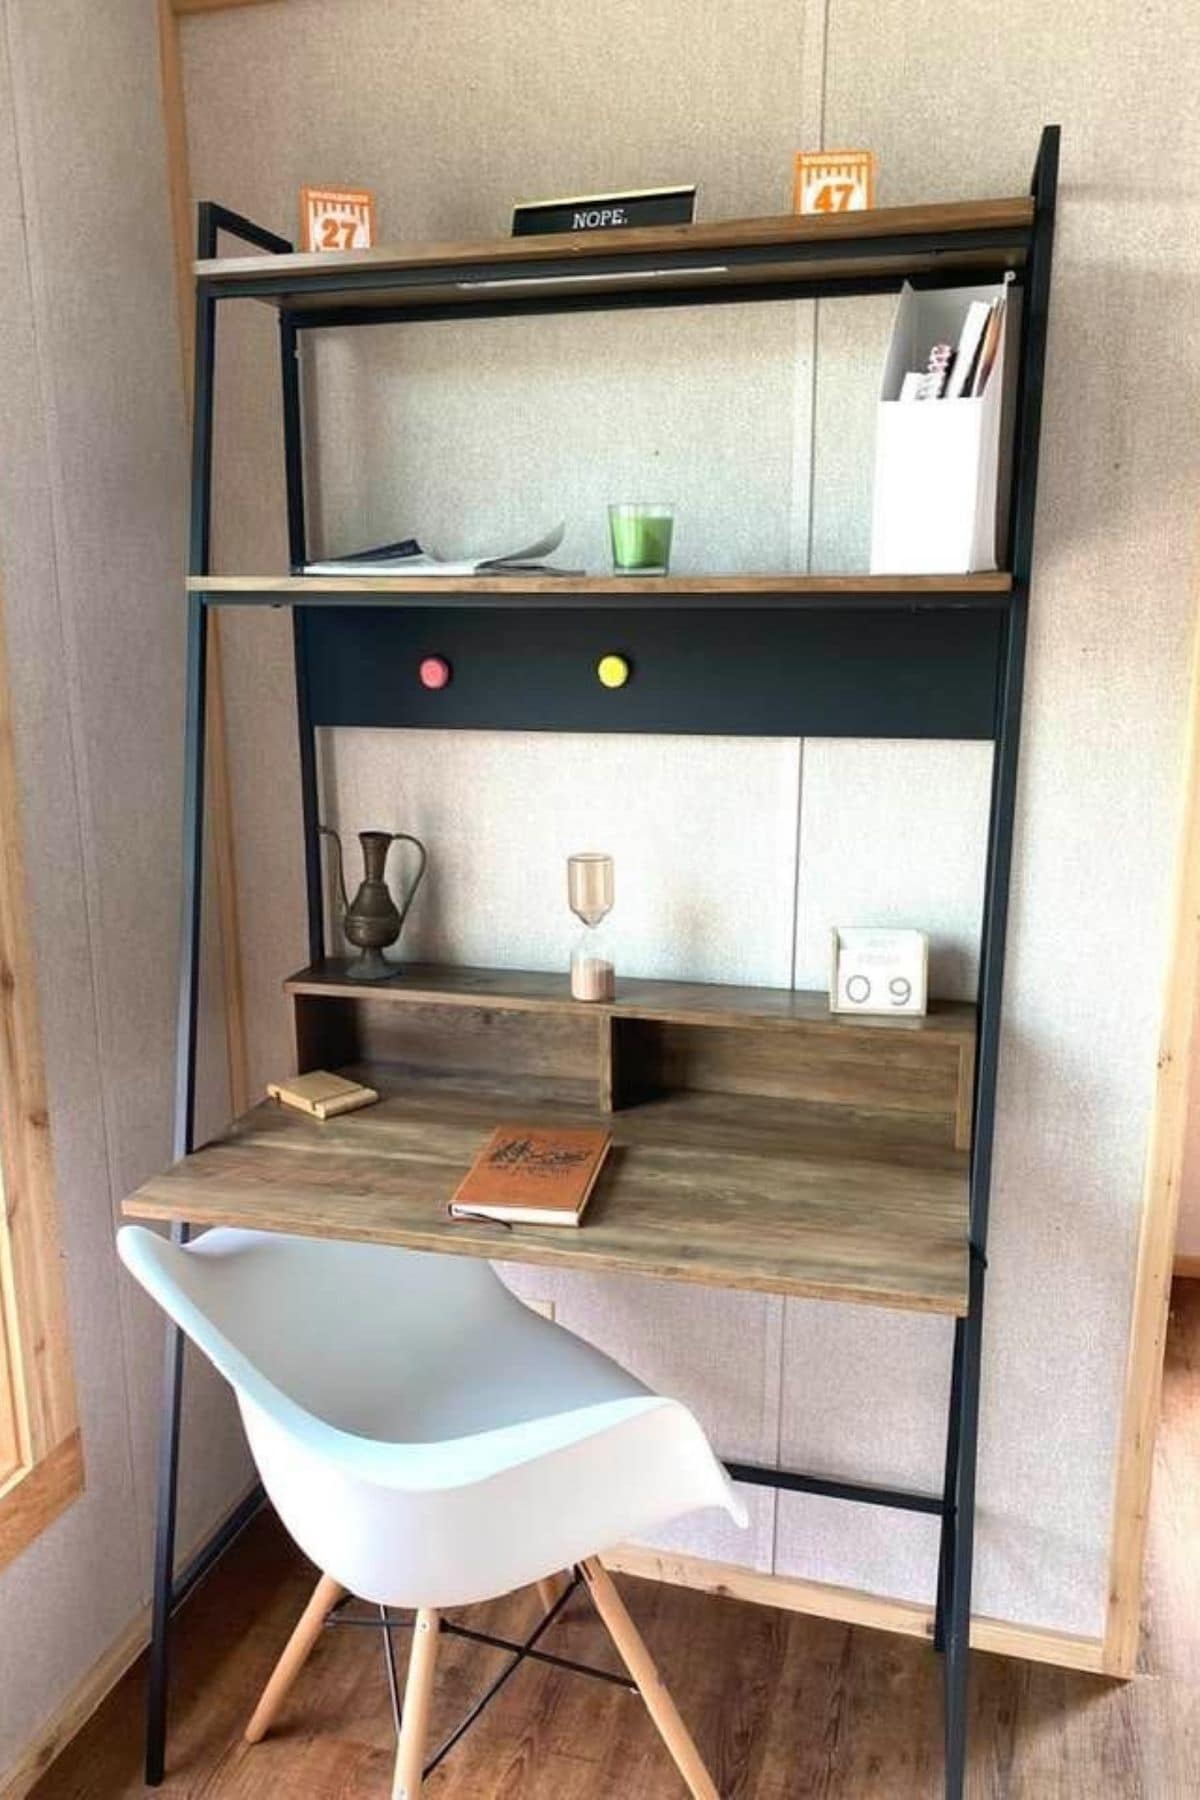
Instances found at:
x=408 y=558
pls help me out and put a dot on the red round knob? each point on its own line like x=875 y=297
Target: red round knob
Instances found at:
x=435 y=672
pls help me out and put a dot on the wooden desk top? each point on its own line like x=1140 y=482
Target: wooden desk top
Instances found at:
x=724 y=1190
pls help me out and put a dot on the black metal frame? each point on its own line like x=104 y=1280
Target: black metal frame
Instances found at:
x=325 y=623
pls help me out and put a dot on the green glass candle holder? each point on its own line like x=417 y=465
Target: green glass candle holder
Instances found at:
x=641 y=538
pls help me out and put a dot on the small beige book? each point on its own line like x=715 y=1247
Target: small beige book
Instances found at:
x=322 y=1094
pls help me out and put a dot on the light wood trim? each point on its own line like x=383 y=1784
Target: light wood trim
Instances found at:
x=220 y=804
x=853 y=1606
x=607 y=587
x=220 y=815
x=638 y=1660
x=179 y=191
x=184 y=8
x=897 y=222
x=418 y=1693
x=14 y=1417
x=1160 y=1213
x=1186 y=1266
x=38 y=1495
x=33 y=1292
x=296 y=1653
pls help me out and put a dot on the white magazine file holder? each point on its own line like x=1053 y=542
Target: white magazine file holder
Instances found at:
x=941 y=487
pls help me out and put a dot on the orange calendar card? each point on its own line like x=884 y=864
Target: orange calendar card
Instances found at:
x=336 y=219
x=830 y=181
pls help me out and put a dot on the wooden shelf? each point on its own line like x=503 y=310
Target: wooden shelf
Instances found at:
x=671 y=1002
x=655 y=1037
x=886 y=245
x=990 y=588
x=719 y=1189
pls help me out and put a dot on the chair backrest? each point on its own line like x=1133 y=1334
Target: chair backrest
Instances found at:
x=426 y=1438
x=339 y=1330
x=382 y=1343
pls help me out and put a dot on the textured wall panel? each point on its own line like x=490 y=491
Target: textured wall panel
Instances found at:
x=1111 y=614
x=92 y=490
x=894 y=834
x=703 y=832
x=441 y=124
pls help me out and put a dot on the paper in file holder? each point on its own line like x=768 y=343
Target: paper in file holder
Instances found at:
x=942 y=466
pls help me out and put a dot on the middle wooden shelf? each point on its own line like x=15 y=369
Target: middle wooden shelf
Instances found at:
x=655 y=1037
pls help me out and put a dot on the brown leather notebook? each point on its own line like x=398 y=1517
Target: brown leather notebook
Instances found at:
x=525 y=1175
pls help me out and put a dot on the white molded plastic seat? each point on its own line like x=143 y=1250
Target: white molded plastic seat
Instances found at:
x=427 y=1439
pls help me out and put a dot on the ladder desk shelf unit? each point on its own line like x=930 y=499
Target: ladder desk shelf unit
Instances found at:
x=760 y=1143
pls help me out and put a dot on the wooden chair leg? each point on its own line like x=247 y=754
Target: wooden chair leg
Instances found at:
x=325 y=1597
x=549 y=1588
x=418 y=1691
x=638 y=1661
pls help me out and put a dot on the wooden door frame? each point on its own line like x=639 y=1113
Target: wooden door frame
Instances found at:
x=48 y=1474
x=1166 y=1144
x=1168 y=1121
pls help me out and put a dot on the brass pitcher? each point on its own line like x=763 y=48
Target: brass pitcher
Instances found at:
x=372 y=920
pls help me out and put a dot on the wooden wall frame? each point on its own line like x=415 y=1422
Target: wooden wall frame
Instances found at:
x=1174 y=1085
x=1143 y=1378
x=46 y=1473
x=220 y=806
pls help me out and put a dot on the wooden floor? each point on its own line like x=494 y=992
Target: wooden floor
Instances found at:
x=780 y=1705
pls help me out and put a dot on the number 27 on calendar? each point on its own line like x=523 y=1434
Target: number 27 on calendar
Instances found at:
x=829 y=181
x=336 y=219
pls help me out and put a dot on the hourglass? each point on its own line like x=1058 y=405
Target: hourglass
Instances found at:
x=590 y=897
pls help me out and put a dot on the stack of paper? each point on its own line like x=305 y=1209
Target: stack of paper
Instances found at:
x=409 y=559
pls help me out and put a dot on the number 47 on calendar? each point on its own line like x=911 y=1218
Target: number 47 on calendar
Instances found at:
x=831 y=181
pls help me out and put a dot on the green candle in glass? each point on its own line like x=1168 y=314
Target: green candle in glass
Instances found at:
x=641 y=538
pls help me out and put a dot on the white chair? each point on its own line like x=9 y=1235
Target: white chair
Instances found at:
x=430 y=1442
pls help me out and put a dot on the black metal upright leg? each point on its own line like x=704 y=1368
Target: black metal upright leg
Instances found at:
x=958 y=1539
x=168 y=1452
x=188 y=1013
x=293 y=462
x=964 y=1426
x=949 y=1496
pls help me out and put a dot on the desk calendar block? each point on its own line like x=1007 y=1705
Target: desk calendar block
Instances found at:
x=829 y=181
x=336 y=219
x=879 y=971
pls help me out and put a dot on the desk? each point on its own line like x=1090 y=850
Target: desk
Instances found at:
x=868 y=1203
x=728 y=1190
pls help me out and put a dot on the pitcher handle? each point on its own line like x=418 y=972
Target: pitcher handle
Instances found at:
x=404 y=837
x=328 y=831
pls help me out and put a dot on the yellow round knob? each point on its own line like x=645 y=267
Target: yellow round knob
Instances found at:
x=613 y=671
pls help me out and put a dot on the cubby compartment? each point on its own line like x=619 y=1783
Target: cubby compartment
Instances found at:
x=518 y=1034
x=853 y=1064
x=519 y=1053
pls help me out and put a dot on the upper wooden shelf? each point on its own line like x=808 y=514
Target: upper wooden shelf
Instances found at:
x=694 y=591
x=725 y=1190
x=884 y=246
x=673 y=1002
